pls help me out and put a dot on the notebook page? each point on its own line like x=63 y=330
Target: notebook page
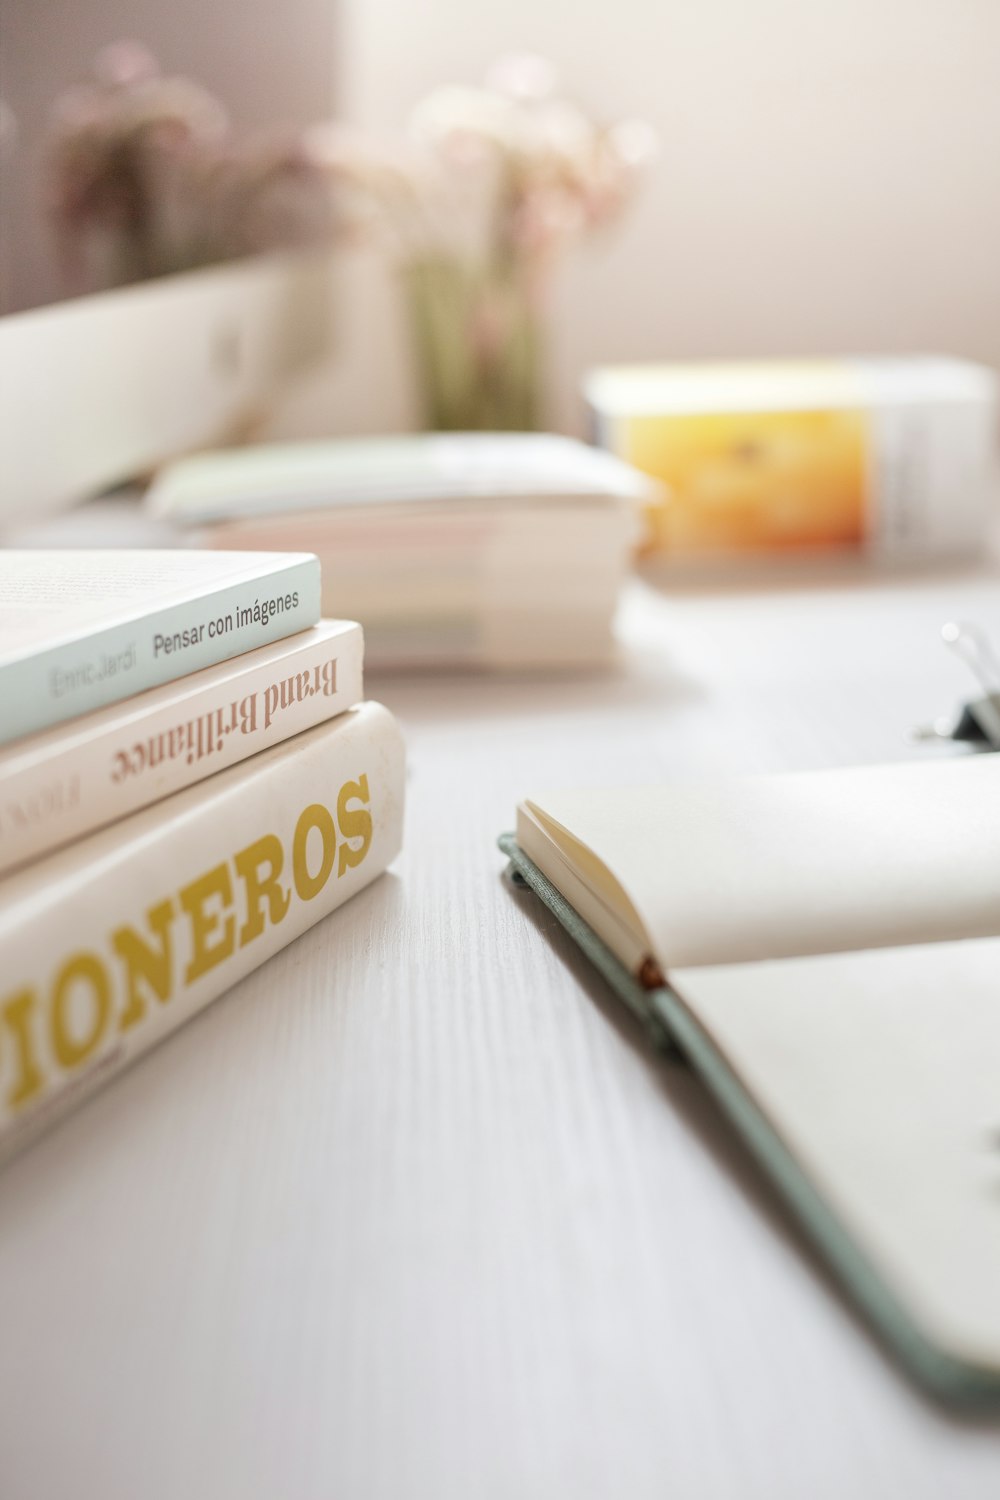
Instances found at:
x=879 y=1070
x=809 y=862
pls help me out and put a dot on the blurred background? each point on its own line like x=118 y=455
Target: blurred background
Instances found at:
x=827 y=178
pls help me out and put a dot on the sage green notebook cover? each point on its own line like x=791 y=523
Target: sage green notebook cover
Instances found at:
x=671 y=1023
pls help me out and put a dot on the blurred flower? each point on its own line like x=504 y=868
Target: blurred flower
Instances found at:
x=488 y=188
x=457 y=116
x=522 y=75
x=145 y=177
x=504 y=179
x=540 y=171
x=124 y=63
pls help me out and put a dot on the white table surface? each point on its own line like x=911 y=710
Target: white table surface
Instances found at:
x=413 y=1211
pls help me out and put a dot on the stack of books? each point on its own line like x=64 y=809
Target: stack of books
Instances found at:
x=485 y=550
x=188 y=780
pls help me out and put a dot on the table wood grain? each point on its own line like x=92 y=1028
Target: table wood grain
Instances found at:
x=413 y=1213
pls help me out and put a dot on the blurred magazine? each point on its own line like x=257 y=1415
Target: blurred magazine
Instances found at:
x=501 y=550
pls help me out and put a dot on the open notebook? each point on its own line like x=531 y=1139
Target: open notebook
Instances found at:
x=825 y=949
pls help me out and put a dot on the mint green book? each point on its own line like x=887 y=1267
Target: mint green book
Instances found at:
x=82 y=629
x=824 y=949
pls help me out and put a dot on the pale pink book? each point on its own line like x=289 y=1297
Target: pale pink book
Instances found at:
x=75 y=778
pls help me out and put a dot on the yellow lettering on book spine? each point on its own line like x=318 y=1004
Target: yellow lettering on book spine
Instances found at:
x=354 y=823
x=81 y=984
x=315 y=817
x=56 y=1026
x=207 y=950
x=154 y=965
x=259 y=888
x=17 y=1017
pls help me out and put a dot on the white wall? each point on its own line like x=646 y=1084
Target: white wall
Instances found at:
x=829 y=179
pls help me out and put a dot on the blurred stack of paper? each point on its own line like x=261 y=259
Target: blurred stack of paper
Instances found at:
x=496 y=550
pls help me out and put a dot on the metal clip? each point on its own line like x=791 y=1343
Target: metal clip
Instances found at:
x=978 y=720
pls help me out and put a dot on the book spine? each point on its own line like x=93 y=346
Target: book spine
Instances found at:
x=104 y=666
x=79 y=784
x=109 y=946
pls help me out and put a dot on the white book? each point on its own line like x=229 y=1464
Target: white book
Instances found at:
x=495 y=550
x=77 y=777
x=493 y=586
x=82 y=629
x=109 y=945
x=825 y=948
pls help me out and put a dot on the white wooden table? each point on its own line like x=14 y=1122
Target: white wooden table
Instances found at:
x=413 y=1212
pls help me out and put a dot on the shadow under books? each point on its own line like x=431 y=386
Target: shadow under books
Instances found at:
x=691 y=1103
